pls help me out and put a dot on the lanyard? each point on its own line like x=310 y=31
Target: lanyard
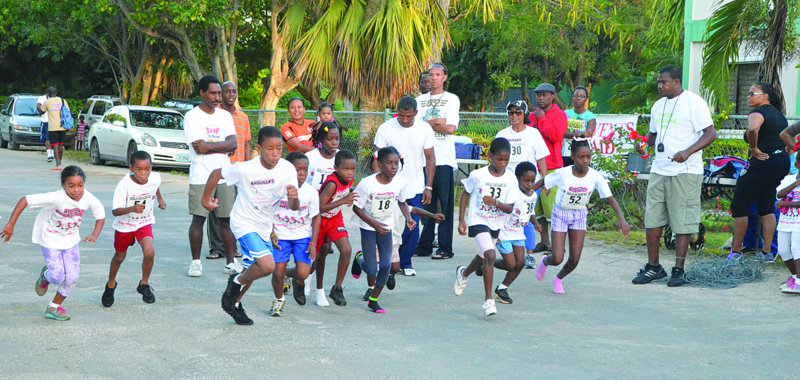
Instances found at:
x=664 y=126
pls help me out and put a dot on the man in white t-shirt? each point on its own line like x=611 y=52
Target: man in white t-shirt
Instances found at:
x=680 y=127
x=414 y=139
x=43 y=133
x=439 y=108
x=211 y=136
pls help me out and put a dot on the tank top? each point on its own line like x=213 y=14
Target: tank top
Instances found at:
x=341 y=192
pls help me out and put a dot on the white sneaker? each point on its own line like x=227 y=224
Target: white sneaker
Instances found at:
x=322 y=299
x=50 y=156
x=233 y=267
x=409 y=272
x=196 y=268
x=461 y=281
x=307 y=288
x=489 y=307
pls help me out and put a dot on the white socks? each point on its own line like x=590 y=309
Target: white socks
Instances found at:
x=54 y=305
x=501 y=287
x=50 y=153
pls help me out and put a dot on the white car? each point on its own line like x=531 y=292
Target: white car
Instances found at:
x=125 y=129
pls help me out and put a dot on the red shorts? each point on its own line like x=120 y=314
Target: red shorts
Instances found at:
x=331 y=229
x=123 y=240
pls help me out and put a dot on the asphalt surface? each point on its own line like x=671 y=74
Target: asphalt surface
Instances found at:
x=602 y=327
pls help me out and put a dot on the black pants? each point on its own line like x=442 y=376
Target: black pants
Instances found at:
x=758 y=185
x=443 y=188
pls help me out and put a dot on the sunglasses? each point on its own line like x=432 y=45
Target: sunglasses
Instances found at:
x=517 y=112
x=754 y=93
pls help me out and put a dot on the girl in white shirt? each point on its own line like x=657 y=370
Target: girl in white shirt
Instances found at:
x=484 y=190
x=57 y=231
x=575 y=183
x=789 y=227
x=320 y=160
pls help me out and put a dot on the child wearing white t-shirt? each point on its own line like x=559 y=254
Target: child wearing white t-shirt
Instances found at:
x=575 y=183
x=133 y=208
x=57 y=231
x=789 y=227
x=295 y=234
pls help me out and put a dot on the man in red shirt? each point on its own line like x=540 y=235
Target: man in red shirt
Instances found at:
x=551 y=122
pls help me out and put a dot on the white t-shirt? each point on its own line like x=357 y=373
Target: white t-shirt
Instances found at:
x=441 y=106
x=198 y=125
x=319 y=168
x=527 y=145
x=295 y=225
x=790 y=216
x=259 y=191
x=574 y=192
x=514 y=226
x=129 y=193
x=40 y=102
x=678 y=123
x=479 y=183
x=376 y=200
x=58 y=224
x=411 y=142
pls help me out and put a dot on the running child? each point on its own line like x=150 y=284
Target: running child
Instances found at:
x=575 y=183
x=57 y=231
x=133 y=208
x=261 y=183
x=484 y=190
x=335 y=193
x=789 y=227
x=295 y=234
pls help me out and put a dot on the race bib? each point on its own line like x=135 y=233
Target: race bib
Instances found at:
x=516 y=151
x=520 y=216
x=493 y=190
x=381 y=207
x=146 y=200
x=575 y=198
x=320 y=174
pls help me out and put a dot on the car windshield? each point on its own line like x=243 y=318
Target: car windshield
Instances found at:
x=26 y=107
x=156 y=119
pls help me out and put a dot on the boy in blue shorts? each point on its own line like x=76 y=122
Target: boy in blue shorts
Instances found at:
x=261 y=183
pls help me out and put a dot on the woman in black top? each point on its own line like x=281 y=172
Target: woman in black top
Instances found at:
x=767 y=166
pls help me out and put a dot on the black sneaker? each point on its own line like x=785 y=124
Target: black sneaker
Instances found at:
x=240 y=317
x=231 y=294
x=390 y=282
x=108 y=296
x=367 y=294
x=146 y=292
x=337 y=295
x=355 y=269
x=373 y=305
x=678 y=277
x=649 y=273
x=502 y=295
x=299 y=293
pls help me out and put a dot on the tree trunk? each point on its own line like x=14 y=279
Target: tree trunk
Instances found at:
x=310 y=93
x=770 y=68
x=280 y=82
x=159 y=75
x=524 y=88
x=369 y=123
x=147 y=82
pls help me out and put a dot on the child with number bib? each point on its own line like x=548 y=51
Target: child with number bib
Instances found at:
x=575 y=183
x=789 y=227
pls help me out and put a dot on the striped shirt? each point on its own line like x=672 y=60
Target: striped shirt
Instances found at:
x=243 y=135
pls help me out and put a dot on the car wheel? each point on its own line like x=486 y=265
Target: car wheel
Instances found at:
x=3 y=142
x=131 y=150
x=12 y=142
x=94 y=153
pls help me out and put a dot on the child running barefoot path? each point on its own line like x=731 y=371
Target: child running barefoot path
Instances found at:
x=575 y=183
x=133 y=208
x=261 y=183
x=57 y=231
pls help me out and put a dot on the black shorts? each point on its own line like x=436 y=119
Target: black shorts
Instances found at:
x=57 y=137
x=758 y=185
x=473 y=231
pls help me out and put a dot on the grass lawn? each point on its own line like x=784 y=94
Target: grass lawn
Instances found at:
x=77 y=155
x=714 y=240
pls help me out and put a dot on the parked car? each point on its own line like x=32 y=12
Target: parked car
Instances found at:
x=126 y=129
x=20 y=123
x=95 y=107
x=182 y=105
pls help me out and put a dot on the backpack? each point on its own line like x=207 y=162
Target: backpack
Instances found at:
x=67 y=122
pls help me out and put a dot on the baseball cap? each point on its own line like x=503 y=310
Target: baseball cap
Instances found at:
x=545 y=87
x=518 y=104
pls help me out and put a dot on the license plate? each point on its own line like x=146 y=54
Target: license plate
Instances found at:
x=183 y=158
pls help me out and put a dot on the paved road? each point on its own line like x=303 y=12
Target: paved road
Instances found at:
x=602 y=327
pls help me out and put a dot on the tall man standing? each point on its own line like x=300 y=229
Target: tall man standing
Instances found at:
x=241 y=122
x=211 y=136
x=439 y=108
x=680 y=127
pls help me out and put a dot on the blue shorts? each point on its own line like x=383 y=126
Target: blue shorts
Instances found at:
x=44 y=135
x=506 y=246
x=253 y=247
x=297 y=248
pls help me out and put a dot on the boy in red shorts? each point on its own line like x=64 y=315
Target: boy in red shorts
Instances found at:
x=335 y=193
x=133 y=208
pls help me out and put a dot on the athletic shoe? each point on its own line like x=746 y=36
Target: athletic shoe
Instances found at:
x=230 y=295
x=408 y=272
x=502 y=295
x=391 y=282
x=147 y=293
x=787 y=283
x=277 y=308
x=240 y=317
x=41 y=283
x=765 y=257
x=337 y=295
x=541 y=269
x=461 y=281
x=734 y=257
x=489 y=308
x=50 y=156
x=678 y=277
x=299 y=294
x=322 y=300
x=558 y=288
x=287 y=284
x=233 y=268
x=196 y=268
x=649 y=273
x=792 y=289
x=373 y=305
x=57 y=313
x=355 y=269
x=108 y=296
x=307 y=287
x=540 y=248
x=367 y=294
x=530 y=261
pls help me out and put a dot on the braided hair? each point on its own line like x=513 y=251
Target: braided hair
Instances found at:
x=321 y=129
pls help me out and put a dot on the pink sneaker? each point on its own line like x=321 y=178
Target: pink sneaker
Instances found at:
x=541 y=269
x=787 y=284
x=557 y=287
x=41 y=283
x=794 y=288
